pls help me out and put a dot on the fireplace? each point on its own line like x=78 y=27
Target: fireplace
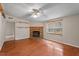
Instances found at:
x=36 y=33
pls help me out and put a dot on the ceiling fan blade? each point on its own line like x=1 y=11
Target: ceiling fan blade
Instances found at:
x=47 y=6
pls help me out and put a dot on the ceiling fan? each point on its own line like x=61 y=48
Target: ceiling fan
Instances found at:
x=37 y=12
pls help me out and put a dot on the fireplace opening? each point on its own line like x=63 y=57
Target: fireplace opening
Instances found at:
x=36 y=33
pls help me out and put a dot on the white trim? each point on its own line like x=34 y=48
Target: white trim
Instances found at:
x=9 y=36
x=63 y=43
x=21 y=39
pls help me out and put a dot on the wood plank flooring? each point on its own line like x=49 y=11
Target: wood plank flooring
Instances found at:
x=37 y=47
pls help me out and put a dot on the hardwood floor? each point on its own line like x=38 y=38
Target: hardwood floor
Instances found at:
x=37 y=47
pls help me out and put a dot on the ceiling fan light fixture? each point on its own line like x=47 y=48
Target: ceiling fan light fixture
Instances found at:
x=36 y=13
x=35 y=16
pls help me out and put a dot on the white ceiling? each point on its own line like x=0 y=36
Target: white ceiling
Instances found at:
x=49 y=10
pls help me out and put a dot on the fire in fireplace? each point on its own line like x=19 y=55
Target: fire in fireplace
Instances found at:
x=36 y=33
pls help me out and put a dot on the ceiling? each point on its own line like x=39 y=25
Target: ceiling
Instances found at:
x=48 y=10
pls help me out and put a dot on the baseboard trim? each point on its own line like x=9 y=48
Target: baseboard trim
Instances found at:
x=21 y=39
x=61 y=42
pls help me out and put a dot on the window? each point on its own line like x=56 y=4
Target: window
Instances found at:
x=55 y=27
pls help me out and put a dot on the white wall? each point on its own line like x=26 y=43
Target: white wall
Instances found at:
x=10 y=28
x=13 y=30
x=2 y=30
x=70 y=31
x=36 y=24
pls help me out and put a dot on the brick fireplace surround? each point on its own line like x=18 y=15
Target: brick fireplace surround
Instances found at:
x=39 y=29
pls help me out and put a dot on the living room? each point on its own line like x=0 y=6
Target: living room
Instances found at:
x=39 y=26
